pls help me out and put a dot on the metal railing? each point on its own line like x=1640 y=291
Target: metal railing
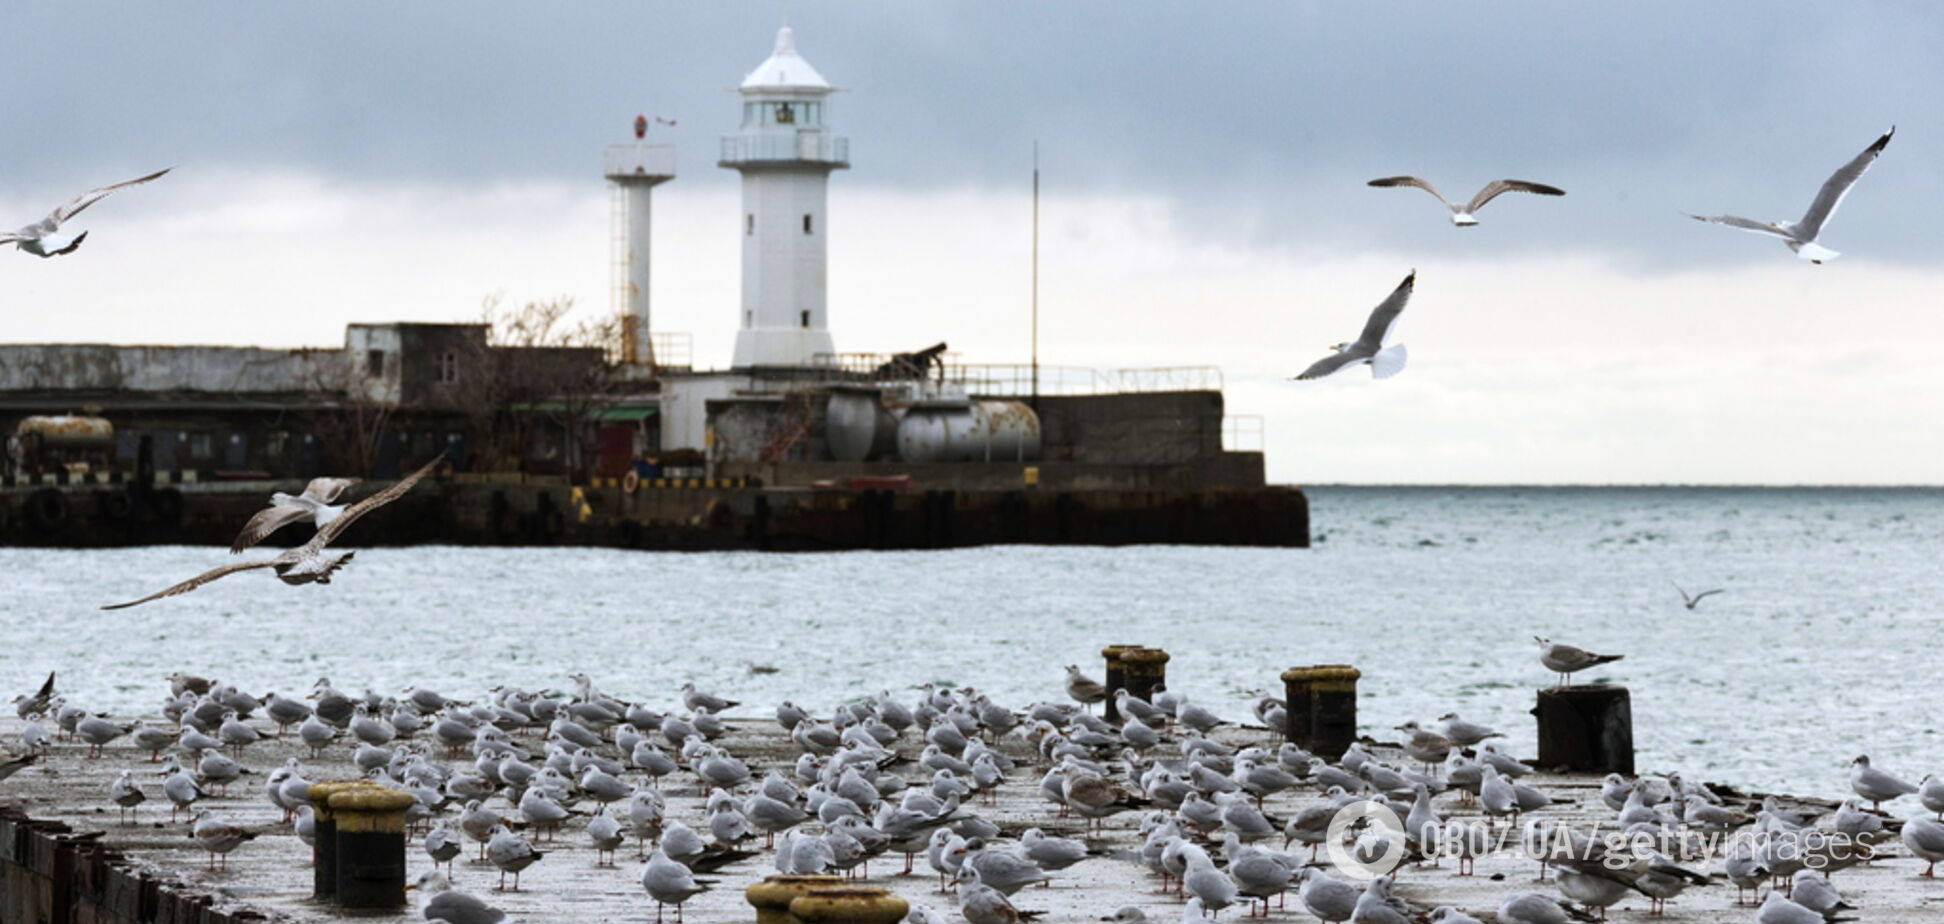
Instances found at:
x=1016 y=380
x=817 y=146
x=1242 y=433
x=622 y=162
x=673 y=349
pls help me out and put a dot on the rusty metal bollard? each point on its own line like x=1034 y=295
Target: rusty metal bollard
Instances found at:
x=1586 y=729
x=1322 y=712
x=324 y=853
x=1116 y=675
x=772 y=897
x=849 y=905
x=1146 y=671
x=370 y=846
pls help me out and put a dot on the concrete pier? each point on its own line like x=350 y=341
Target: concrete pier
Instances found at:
x=272 y=875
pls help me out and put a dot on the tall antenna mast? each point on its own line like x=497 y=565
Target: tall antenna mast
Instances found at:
x=1036 y=274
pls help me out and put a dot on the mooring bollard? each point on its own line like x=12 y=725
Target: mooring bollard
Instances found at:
x=370 y=846
x=324 y=837
x=1322 y=711
x=853 y=905
x=1116 y=675
x=1586 y=729
x=1145 y=670
x=772 y=897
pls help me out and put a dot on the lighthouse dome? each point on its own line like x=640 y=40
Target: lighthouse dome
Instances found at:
x=784 y=69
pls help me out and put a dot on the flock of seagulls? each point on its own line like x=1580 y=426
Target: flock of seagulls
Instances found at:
x=1222 y=814
x=1385 y=361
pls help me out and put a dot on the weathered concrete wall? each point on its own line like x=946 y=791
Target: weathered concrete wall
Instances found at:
x=1144 y=428
x=95 y=367
x=48 y=875
x=1225 y=471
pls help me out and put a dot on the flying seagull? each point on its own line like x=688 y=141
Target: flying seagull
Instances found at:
x=315 y=504
x=306 y=563
x=1695 y=600
x=1800 y=235
x=1369 y=346
x=1462 y=215
x=43 y=238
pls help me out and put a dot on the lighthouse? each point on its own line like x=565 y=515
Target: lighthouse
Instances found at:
x=785 y=153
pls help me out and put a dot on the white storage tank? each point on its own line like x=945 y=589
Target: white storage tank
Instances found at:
x=974 y=431
x=857 y=425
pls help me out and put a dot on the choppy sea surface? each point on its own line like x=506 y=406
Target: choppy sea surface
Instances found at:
x=1827 y=643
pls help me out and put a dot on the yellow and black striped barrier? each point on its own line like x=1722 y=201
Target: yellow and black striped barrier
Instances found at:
x=710 y=483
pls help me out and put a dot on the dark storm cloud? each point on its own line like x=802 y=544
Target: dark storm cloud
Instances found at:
x=1261 y=120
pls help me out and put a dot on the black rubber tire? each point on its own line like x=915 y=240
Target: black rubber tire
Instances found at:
x=167 y=504
x=47 y=510
x=116 y=506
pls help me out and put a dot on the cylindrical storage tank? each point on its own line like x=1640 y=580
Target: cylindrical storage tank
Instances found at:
x=857 y=426
x=983 y=431
x=66 y=432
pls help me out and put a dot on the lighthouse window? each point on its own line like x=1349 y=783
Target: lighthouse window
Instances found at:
x=806 y=318
x=806 y=224
x=749 y=223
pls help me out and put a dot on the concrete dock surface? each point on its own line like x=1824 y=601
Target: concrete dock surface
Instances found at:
x=272 y=874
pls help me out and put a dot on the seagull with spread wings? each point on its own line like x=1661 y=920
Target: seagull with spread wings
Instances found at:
x=307 y=563
x=1369 y=346
x=1694 y=600
x=315 y=504
x=1463 y=215
x=44 y=238
x=1801 y=234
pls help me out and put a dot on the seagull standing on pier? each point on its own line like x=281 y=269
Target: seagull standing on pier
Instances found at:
x=306 y=563
x=1369 y=346
x=1463 y=215
x=44 y=238
x=1801 y=234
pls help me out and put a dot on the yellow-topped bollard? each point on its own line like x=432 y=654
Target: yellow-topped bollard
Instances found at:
x=1145 y=672
x=324 y=853
x=772 y=897
x=1322 y=712
x=1116 y=675
x=370 y=846
x=849 y=905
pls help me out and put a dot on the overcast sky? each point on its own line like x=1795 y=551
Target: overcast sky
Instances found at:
x=1203 y=165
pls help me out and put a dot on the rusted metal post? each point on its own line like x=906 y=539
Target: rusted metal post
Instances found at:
x=1116 y=675
x=1586 y=729
x=772 y=897
x=1145 y=671
x=324 y=849
x=1322 y=711
x=370 y=823
x=849 y=905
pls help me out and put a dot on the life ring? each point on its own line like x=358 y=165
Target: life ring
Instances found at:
x=630 y=481
x=167 y=504
x=116 y=506
x=46 y=510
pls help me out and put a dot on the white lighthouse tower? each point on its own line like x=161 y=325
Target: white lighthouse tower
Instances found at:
x=634 y=169
x=785 y=153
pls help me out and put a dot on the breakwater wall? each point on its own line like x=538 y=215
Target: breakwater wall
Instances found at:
x=51 y=875
x=684 y=514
